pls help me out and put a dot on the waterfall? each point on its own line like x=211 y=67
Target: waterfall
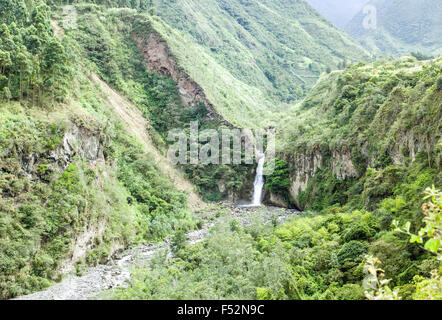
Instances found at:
x=259 y=182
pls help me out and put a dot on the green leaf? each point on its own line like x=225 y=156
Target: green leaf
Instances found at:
x=432 y=245
x=414 y=239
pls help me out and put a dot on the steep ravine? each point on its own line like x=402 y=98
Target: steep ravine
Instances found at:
x=137 y=126
x=367 y=118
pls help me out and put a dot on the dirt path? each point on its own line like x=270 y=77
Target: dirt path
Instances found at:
x=137 y=126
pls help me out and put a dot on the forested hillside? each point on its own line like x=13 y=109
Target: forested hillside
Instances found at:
x=89 y=91
x=379 y=121
x=402 y=26
x=75 y=184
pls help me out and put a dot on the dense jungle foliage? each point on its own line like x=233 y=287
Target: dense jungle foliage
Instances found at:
x=313 y=256
x=385 y=118
x=332 y=250
x=120 y=63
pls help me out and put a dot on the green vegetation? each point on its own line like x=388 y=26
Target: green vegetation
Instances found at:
x=118 y=60
x=43 y=206
x=53 y=190
x=279 y=180
x=322 y=254
x=265 y=44
x=426 y=289
x=33 y=63
x=71 y=173
x=252 y=57
x=384 y=118
x=249 y=63
x=310 y=257
x=402 y=26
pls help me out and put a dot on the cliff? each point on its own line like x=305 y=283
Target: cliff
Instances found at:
x=158 y=59
x=384 y=115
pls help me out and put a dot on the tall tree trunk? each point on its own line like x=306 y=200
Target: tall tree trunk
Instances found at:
x=21 y=82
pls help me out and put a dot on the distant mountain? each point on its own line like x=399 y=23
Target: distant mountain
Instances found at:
x=340 y=12
x=402 y=26
x=279 y=47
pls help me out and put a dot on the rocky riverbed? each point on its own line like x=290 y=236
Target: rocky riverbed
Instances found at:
x=116 y=273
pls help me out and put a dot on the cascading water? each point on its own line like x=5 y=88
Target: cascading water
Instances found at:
x=259 y=182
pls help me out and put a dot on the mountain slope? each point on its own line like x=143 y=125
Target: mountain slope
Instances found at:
x=79 y=176
x=137 y=126
x=363 y=131
x=402 y=26
x=277 y=47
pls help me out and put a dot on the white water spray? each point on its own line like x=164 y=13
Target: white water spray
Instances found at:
x=259 y=182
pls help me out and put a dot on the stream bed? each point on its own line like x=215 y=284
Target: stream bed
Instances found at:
x=117 y=272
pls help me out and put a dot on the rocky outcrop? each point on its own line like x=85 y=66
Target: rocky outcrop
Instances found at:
x=342 y=165
x=82 y=243
x=158 y=59
x=222 y=188
x=81 y=142
x=76 y=142
x=88 y=145
x=275 y=200
x=408 y=146
x=303 y=167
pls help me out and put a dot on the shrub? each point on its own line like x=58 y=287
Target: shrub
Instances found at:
x=350 y=291
x=439 y=83
x=357 y=231
x=279 y=180
x=178 y=241
x=352 y=251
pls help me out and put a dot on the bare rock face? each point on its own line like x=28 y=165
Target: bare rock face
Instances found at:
x=82 y=143
x=76 y=142
x=276 y=200
x=402 y=152
x=409 y=145
x=342 y=165
x=305 y=167
x=158 y=59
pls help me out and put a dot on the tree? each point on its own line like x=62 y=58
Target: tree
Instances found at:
x=5 y=60
x=178 y=241
x=54 y=62
x=6 y=93
x=13 y=11
x=279 y=180
x=439 y=83
x=24 y=68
